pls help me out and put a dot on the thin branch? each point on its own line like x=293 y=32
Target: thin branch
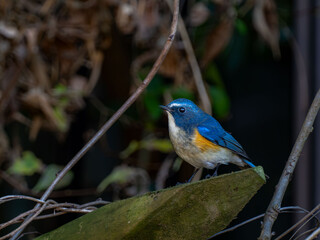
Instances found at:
x=28 y=233
x=314 y=234
x=301 y=227
x=303 y=234
x=282 y=210
x=18 y=197
x=111 y=121
x=311 y=213
x=27 y=221
x=59 y=209
x=236 y=226
x=163 y=172
x=203 y=94
x=272 y=211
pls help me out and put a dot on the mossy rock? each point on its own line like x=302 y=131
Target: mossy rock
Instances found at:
x=188 y=211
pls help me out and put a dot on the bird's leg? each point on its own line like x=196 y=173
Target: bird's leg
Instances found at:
x=194 y=173
x=215 y=172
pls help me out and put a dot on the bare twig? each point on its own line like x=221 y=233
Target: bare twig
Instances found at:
x=314 y=234
x=163 y=172
x=272 y=211
x=203 y=94
x=237 y=226
x=58 y=208
x=108 y=124
x=17 y=197
x=302 y=220
x=303 y=234
x=27 y=221
x=282 y=210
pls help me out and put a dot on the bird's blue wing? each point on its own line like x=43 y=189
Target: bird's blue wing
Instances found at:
x=219 y=136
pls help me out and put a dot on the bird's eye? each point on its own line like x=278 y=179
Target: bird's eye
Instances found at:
x=182 y=109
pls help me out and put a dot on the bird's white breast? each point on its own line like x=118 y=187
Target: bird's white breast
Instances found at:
x=174 y=130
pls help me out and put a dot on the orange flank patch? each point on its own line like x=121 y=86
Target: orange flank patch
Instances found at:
x=204 y=144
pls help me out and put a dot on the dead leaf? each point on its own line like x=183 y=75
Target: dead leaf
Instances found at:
x=126 y=18
x=170 y=65
x=38 y=100
x=148 y=20
x=9 y=31
x=265 y=21
x=35 y=127
x=218 y=39
x=199 y=13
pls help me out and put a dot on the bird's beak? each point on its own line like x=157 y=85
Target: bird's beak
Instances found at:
x=165 y=108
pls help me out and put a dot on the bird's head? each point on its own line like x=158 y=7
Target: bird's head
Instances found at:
x=185 y=113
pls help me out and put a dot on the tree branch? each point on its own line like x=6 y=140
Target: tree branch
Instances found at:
x=273 y=208
x=109 y=123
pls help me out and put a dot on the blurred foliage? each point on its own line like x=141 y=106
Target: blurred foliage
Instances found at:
x=218 y=93
x=49 y=174
x=126 y=181
x=118 y=175
x=161 y=145
x=26 y=165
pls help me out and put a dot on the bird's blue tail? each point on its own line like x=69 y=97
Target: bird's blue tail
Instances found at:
x=249 y=163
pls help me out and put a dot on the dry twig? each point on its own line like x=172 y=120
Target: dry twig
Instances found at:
x=282 y=210
x=314 y=234
x=302 y=220
x=273 y=208
x=57 y=208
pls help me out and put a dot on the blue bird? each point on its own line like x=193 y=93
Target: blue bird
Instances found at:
x=199 y=139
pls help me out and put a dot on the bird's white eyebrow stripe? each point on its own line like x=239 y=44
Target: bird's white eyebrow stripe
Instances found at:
x=175 y=105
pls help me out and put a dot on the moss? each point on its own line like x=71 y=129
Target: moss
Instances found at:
x=188 y=211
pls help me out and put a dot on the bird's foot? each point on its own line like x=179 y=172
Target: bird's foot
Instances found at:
x=208 y=176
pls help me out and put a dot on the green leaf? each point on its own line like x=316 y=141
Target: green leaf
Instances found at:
x=133 y=146
x=152 y=103
x=61 y=119
x=241 y=27
x=60 y=89
x=182 y=92
x=26 y=165
x=161 y=145
x=221 y=102
x=212 y=75
x=118 y=175
x=49 y=175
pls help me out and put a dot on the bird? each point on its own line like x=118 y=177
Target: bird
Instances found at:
x=199 y=139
